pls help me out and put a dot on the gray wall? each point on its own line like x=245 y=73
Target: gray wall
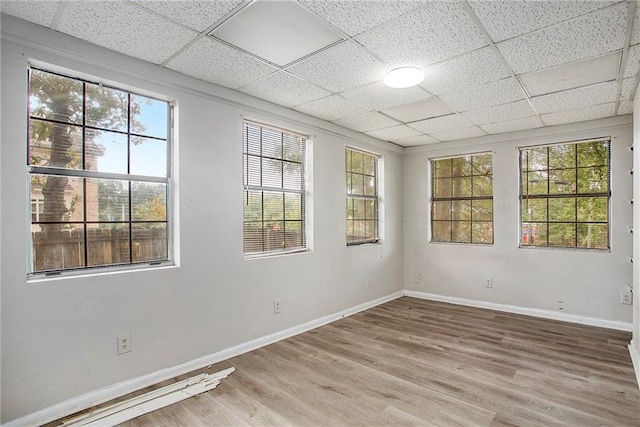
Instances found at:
x=58 y=336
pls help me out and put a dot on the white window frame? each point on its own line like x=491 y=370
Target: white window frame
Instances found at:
x=375 y=197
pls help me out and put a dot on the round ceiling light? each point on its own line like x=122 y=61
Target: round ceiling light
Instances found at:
x=404 y=77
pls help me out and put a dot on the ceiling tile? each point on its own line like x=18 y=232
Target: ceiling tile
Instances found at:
x=506 y=19
x=576 y=74
x=125 y=28
x=284 y=89
x=416 y=140
x=430 y=107
x=435 y=32
x=198 y=15
x=486 y=95
x=442 y=124
x=590 y=35
x=393 y=133
x=580 y=114
x=453 y=135
x=576 y=98
x=377 y=96
x=331 y=108
x=341 y=67
x=39 y=12
x=473 y=68
x=513 y=125
x=218 y=63
x=626 y=107
x=355 y=17
x=628 y=88
x=632 y=66
x=367 y=121
x=279 y=31
x=499 y=113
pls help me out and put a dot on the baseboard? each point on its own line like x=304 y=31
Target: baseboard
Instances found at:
x=635 y=358
x=97 y=397
x=536 y=312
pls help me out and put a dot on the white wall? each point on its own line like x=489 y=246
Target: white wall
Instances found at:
x=58 y=336
x=635 y=343
x=588 y=283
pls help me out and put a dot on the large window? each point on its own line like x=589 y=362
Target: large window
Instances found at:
x=565 y=195
x=462 y=199
x=362 y=197
x=274 y=190
x=98 y=163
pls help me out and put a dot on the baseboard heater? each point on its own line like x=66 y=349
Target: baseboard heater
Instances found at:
x=124 y=411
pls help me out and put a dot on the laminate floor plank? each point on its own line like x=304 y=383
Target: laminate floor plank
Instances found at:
x=415 y=362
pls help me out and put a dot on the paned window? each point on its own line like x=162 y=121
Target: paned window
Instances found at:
x=362 y=197
x=98 y=161
x=565 y=193
x=274 y=190
x=462 y=199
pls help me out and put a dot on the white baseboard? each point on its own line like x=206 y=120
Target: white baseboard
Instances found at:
x=635 y=358
x=97 y=397
x=536 y=312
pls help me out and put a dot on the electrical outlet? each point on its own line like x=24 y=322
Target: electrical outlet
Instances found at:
x=626 y=297
x=276 y=306
x=124 y=344
x=488 y=283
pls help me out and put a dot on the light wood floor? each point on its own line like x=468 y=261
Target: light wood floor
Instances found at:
x=416 y=362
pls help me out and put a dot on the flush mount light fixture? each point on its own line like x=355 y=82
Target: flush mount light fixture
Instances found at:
x=404 y=77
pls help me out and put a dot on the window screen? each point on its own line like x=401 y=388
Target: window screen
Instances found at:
x=565 y=193
x=274 y=190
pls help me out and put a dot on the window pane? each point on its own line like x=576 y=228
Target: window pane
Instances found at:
x=441 y=231
x=55 y=97
x=593 y=180
x=534 y=234
x=149 y=116
x=357 y=185
x=292 y=176
x=273 y=207
x=148 y=156
x=369 y=185
x=442 y=210
x=482 y=232
x=562 y=181
x=293 y=234
x=107 y=108
x=482 y=210
x=271 y=173
x=107 y=244
x=442 y=187
x=593 y=236
x=62 y=199
x=252 y=206
x=461 y=210
x=107 y=200
x=370 y=209
x=293 y=206
x=482 y=186
x=482 y=164
x=461 y=231
x=148 y=201
x=461 y=166
x=563 y=235
x=149 y=242
x=535 y=159
x=271 y=143
x=357 y=162
x=441 y=168
x=58 y=247
x=563 y=209
x=55 y=145
x=537 y=183
x=562 y=156
x=594 y=153
x=462 y=187
x=251 y=142
x=252 y=171
x=369 y=165
x=293 y=148
x=593 y=209
x=106 y=151
x=534 y=210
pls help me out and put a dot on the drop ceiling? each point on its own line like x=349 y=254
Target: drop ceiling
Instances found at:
x=491 y=66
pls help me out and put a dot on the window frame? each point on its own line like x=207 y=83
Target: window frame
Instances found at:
x=433 y=199
x=87 y=174
x=303 y=191
x=376 y=197
x=575 y=195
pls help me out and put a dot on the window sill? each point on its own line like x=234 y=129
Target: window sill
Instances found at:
x=263 y=255
x=564 y=249
x=97 y=271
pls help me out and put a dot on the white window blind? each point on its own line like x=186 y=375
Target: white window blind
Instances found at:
x=274 y=190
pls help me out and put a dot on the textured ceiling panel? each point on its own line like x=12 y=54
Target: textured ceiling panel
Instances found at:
x=284 y=89
x=331 y=108
x=453 y=135
x=576 y=98
x=341 y=67
x=487 y=95
x=473 y=68
x=416 y=140
x=126 y=28
x=628 y=88
x=633 y=61
x=394 y=133
x=378 y=97
x=198 y=15
x=39 y=12
x=590 y=35
x=210 y=60
x=626 y=107
x=576 y=74
x=436 y=32
x=367 y=121
x=506 y=19
x=279 y=31
x=430 y=107
x=355 y=17
x=580 y=114
x=499 y=113
x=441 y=124
x=513 y=125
